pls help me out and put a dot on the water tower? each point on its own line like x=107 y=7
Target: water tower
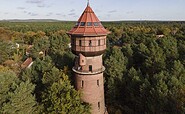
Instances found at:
x=88 y=41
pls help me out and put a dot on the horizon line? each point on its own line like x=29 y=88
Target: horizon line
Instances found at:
x=101 y=21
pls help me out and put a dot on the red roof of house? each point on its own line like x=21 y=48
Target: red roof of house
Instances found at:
x=88 y=25
x=26 y=63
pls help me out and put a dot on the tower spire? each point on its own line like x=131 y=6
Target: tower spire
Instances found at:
x=87 y=2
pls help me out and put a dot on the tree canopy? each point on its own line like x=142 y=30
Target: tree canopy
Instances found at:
x=145 y=68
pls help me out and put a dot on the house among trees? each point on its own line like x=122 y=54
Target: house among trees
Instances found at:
x=27 y=63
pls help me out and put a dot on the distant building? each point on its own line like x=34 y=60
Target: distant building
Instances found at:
x=88 y=43
x=27 y=63
x=160 y=35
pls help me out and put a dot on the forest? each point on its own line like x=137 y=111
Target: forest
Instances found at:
x=145 y=68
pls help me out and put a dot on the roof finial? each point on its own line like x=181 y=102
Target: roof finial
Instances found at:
x=87 y=2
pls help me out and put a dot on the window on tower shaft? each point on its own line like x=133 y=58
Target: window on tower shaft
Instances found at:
x=98 y=83
x=98 y=105
x=90 y=68
x=82 y=84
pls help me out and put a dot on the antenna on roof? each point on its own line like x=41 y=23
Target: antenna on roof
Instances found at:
x=87 y=2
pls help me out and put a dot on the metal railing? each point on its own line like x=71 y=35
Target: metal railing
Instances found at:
x=79 y=71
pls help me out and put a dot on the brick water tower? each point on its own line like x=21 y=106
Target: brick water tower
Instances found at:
x=88 y=41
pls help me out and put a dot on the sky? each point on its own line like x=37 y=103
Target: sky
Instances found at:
x=106 y=10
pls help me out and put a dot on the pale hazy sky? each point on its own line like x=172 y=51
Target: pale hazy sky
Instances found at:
x=104 y=9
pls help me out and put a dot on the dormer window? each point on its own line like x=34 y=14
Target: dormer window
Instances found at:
x=89 y=23
x=96 y=24
x=82 y=24
x=77 y=24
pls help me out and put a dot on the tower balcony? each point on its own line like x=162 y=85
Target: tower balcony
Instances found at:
x=87 y=72
x=88 y=53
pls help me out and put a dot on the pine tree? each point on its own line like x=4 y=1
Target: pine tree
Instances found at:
x=62 y=98
x=16 y=97
x=21 y=101
x=8 y=81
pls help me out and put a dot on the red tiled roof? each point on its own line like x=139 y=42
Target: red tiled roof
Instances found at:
x=26 y=63
x=88 y=25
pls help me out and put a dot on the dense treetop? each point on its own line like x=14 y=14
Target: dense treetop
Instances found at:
x=145 y=68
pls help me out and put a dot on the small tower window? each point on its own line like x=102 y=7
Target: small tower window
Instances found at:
x=98 y=83
x=89 y=23
x=90 y=68
x=82 y=24
x=90 y=43
x=104 y=41
x=96 y=24
x=82 y=84
x=98 y=105
x=80 y=43
x=77 y=24
x=98 y=42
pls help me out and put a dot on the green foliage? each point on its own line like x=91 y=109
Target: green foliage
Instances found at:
x=169 y=45
x=7 y=84
x=37 y=26
x=6 y=51
x=144 y=73
x=177 y=86
x=53 y=89
x=153 y=79
x=15 y=96
x=59 y=50
x=37 y=70
x=62 y=98
x=115 y=68
x=115 y=63
x=40 y=48
x=155 y=59
x=21 y=101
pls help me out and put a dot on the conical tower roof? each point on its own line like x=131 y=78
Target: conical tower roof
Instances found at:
x=88 y=25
